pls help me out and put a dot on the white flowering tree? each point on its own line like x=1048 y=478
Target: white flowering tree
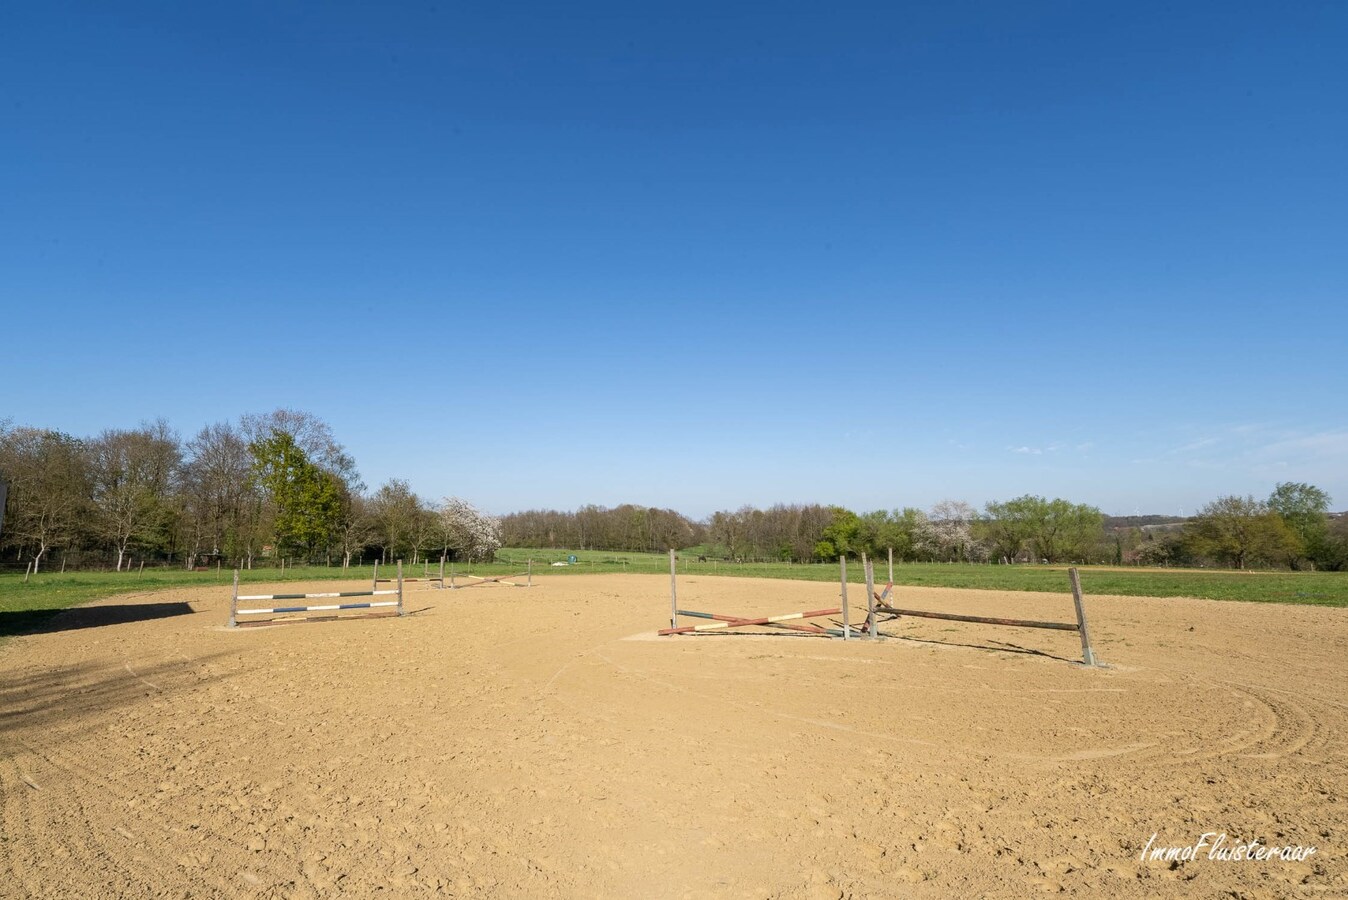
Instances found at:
x=468 y=531
x=946 y=534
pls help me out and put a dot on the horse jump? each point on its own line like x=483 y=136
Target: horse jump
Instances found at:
x=235 y=612
x=480 y=580
x=877 y=605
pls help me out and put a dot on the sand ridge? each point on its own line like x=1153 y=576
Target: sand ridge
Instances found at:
x=511 y=742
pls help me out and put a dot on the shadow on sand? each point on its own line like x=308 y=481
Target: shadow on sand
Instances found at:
x=42 y=621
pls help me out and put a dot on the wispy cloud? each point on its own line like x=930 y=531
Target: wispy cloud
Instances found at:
x=1036 y=451
x=1318 y=446
x=1194 y=446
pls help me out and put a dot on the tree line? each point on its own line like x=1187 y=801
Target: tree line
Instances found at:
x=279 y=485
x=1291 y=529
x=271 y=486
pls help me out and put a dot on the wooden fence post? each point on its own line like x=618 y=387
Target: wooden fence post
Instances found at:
x=870 y=598
x=673 y=591
x=234 y=603
x=847 y=625
x=1087 y=654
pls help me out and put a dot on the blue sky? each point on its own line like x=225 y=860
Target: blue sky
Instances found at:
x=695 y=255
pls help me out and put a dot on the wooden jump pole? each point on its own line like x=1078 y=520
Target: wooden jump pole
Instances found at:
x=1087 y=654
x=673 y=591
x=982 y=620
x=374 y=579
x=891 y=565
x=847 y=624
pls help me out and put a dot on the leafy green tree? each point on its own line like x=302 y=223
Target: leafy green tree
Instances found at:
x=306 y=500
x=1007 y=525
x=1052 y=529
x=1238 y=531
x=841 y=537
x=1304 y=509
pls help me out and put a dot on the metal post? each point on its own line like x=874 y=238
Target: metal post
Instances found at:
x=847 y=624
x=673 y=591
x=401 y=611
x=374 y=579
x=1087 y=654
x=234 y=603
x=870 y=598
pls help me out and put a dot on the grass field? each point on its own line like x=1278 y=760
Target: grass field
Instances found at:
x=25 y=606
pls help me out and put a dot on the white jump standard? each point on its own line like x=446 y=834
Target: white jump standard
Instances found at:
x=235 y=612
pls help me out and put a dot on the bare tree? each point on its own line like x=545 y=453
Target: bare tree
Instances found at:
x=394 y=509
x=48 y=480
x=356 y=527
x=221 y=511
x=133 y=474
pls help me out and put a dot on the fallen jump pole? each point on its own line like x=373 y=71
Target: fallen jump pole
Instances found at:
x=498 y=579
x=740 y=620
x=736 y=622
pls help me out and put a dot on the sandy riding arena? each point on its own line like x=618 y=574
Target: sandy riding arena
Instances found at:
x=503 y=742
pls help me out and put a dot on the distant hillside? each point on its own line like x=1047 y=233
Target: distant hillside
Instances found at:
x=1125 y=523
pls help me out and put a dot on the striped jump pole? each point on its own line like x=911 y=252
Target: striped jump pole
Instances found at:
x=735 y=622
x=235 y=612
x=317 y=608
x=497 y=579
x=722 y=622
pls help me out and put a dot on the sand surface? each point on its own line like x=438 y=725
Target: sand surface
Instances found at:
x=504 y=742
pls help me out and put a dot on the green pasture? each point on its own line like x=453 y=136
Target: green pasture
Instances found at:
x=1311 y=588
x=25 y=606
